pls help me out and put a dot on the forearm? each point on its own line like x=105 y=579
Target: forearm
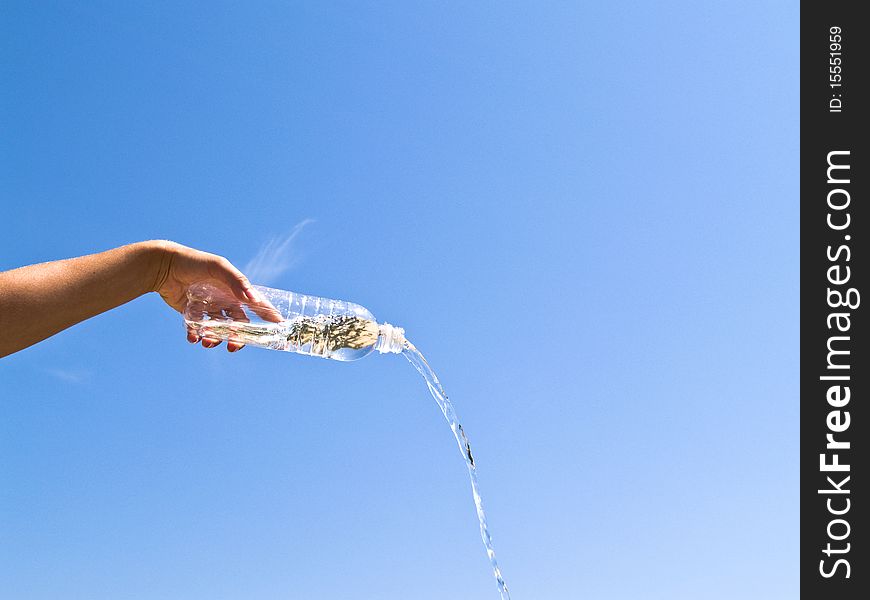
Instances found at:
x=40 y=300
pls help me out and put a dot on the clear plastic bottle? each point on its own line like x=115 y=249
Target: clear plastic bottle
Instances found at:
x=282 y=320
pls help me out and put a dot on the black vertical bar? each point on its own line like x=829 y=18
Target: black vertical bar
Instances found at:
x=834 y=366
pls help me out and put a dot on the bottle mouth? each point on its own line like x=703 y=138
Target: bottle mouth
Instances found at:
x=390 y=339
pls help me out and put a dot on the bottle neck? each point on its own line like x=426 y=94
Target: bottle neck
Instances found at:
x=390 y=339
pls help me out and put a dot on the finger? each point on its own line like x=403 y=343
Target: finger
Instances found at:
x=264 y=309
x=224 y=271
x=237 y=314
x=267 y=313
x=241 y=288
x=192 y=336
x=208 y=342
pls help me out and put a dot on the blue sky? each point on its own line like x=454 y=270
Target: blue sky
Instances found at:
x=585 y=215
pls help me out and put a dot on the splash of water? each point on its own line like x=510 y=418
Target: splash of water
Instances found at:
x=416 y=359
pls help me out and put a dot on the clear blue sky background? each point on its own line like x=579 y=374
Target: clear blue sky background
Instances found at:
x=585 y=215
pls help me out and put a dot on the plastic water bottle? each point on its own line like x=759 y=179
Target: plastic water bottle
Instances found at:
x=282 y=320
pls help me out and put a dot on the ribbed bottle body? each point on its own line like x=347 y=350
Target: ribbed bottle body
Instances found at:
x=283 y=320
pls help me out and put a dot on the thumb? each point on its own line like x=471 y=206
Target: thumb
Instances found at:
x=235 y=280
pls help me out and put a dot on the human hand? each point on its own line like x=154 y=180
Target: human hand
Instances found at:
x=178 y=267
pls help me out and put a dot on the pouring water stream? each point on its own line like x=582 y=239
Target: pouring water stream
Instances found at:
x=415 y=358
x=292 y=322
